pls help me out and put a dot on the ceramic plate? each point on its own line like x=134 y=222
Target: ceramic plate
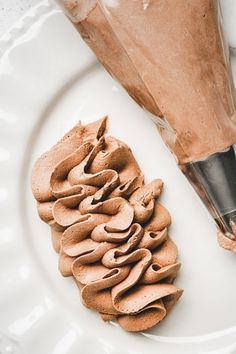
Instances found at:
x=49 y=80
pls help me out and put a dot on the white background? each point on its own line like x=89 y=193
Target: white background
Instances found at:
x=12 y=10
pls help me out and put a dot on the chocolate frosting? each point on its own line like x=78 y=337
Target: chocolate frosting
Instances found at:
x=107 y=226
x=227 y=242
x=171 y=58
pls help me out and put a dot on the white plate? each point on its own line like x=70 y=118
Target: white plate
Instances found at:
x=49 y=80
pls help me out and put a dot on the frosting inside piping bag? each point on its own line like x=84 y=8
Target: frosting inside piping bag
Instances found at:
x=107 y=226
x=171 y=58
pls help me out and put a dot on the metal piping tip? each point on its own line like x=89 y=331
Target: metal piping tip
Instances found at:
x=214 y=179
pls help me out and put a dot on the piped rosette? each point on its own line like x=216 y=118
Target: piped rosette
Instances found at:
x=107 y=226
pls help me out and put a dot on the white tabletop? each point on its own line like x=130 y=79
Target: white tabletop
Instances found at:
x=12 y=10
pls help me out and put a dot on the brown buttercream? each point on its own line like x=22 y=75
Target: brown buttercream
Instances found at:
x=107 y=226
x=170 y=57
x=227 y=242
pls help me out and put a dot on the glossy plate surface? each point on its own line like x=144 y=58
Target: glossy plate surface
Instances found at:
x=49 y=80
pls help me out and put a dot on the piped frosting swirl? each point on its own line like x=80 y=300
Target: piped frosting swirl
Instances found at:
x=107 y=226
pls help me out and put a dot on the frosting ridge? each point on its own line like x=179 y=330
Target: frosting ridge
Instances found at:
x=107 y=226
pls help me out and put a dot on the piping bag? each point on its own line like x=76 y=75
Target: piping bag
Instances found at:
x=173 y=60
